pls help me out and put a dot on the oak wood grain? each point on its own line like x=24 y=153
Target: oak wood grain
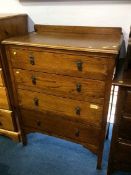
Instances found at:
x=98 y=42
x=12 y=25
x=4 y=103
x=56 y=125
x=65 y=86
x=11 y=134
x=1 y=78
x=113 y=31
x=61 y=106
x=6 y=120
x=66 y=64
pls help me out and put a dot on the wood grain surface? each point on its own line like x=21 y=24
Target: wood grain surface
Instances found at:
x=64 y=86
x=61 y=106
x=6 y=120
x=58 y=63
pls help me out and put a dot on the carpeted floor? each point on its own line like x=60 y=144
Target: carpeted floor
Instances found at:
x=45 y=155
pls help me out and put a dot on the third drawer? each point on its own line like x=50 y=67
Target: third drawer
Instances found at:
x=89 y=112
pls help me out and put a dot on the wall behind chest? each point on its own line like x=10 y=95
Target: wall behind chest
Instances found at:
x=73 y=12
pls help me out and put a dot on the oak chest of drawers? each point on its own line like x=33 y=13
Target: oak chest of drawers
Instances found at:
x=10 y=25
x=62 y=78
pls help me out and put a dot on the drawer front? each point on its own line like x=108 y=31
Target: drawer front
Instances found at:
x=89 y=112
x=3 y=98
x=125 y=128
x=128 y=102
x=6 y=120
x=1 y=78
x=123 y=154
x=76 y=88
x=59 y=63
x=60 y=127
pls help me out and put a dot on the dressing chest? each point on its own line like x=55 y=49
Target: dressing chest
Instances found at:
x=10 y=25
x=61 y=78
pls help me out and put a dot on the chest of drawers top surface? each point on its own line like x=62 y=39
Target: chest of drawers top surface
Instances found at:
x=92 y=39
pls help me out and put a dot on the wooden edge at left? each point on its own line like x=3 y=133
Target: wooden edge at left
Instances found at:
x=11 y=134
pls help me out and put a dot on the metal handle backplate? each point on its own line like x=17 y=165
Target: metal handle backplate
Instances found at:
x=78 y=87
x=33 y=80
x=32 y=60
x=79 y=65
x=36 y=101
x=78 y=110
x=77 y=133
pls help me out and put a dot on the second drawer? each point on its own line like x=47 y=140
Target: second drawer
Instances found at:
x=65 y=86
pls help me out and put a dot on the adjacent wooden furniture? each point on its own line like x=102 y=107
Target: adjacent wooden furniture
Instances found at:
x=61 y=79
x=10 y=25
x=120 y=151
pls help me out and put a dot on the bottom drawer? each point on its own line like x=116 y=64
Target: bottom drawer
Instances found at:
x=54 y=125
x=6 y=120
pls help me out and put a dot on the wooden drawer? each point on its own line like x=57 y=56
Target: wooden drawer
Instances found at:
x=3 y=98
x=55 y=125
x=1 y=78
x=6 y=120
x=125 y=128
x=65 y=86
x=59 y=63
x=90 y=112
x=128 y=102
x=123 y=153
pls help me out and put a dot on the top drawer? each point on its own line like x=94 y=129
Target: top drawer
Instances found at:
x=59 y=63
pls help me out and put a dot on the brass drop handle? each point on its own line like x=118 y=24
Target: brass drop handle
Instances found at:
x=78 y=110
x=78 y=87
x=32 y=60
x=38 y=123
x=33 y=80
x=77 y=133
x=36 y=101
x=79 y=65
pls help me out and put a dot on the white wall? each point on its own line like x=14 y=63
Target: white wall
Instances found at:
x=73 y=12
